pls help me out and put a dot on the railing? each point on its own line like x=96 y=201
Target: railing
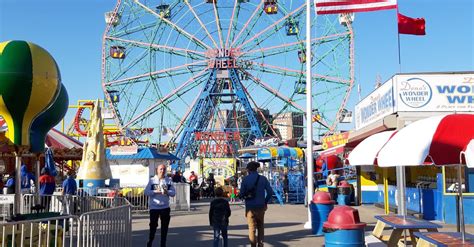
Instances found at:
x=70 y=204
x=139 y=202
x=109 y=227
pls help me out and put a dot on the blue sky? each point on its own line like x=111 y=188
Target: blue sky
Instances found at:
x=71 y=30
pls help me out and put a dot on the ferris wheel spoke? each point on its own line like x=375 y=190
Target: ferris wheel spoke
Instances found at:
x=272 y=25
x=233 y=18
x=164 y=48
x=180 y=68
x=277 y=49
x=218 y=24
x=201 y=23
x=258 y=10
x=298 y=73
x=259 y=111
x=174 y=93
x=175 y=27
x=272 y=90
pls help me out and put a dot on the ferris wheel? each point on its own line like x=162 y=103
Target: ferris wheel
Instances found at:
x=194 y=68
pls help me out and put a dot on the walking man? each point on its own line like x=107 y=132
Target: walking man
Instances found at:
x=159 y=189
x=253 y=189
x=69 y=191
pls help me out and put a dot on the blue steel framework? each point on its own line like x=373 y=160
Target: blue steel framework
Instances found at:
x=204 y=110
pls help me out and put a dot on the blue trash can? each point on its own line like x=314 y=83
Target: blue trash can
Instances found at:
x=320 y=207
x=344 y=193
x=344 y=228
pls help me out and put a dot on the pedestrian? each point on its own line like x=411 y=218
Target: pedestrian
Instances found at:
x=26 y=179
x=193 y=178
x=253 y=189
x=178 y=178
x=70 y=190
x=219 y=214
x=159 y=189
x=233 y=193
x=331 y=182
x=211 y=181
x=46 y=188
x=10 y=183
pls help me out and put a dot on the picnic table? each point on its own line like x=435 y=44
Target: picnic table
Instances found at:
x=399 y=224
x=443 y=239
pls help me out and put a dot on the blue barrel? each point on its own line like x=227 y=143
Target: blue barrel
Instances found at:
x=343 y=228
x=347 y=238
x=343 y=199
x=320 y=208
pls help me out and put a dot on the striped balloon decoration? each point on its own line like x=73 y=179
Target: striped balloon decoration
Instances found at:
x=29 y=83
x=47 y=120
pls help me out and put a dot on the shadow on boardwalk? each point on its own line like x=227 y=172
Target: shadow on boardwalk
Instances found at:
x=202 y=236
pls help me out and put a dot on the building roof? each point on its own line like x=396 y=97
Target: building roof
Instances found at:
x=143 y=153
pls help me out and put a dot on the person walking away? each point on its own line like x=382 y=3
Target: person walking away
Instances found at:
x=212 y=183
x=332 y=182
x=219 y=214
x=69 y=191
x=253 y=189
x=46 y=188
x=159 y=189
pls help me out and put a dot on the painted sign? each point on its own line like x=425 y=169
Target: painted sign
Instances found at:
x=123 y=150
x=335 y=140
x=222 y=168
x=375 y=106
x=435 y=92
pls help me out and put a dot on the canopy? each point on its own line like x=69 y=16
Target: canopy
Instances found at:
x=365 y=153
x=436 y=140
x=469 y=154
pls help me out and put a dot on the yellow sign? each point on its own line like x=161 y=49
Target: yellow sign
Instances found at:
x=335 y=140
x=222 y=168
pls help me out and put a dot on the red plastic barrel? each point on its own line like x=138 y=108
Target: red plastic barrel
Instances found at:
x=344 y=218
x=321 y=197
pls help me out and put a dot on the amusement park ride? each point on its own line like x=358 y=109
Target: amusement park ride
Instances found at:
x=205 y=71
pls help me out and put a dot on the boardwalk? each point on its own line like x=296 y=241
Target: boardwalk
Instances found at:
x=283 y=226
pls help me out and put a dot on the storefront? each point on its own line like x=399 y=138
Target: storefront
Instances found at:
x=401 y=100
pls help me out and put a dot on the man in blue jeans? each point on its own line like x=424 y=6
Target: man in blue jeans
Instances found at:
x=255 y=207
x=159 y=189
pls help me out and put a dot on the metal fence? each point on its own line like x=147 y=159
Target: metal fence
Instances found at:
x=108 y=227
x=70 y=204
x=139 y=201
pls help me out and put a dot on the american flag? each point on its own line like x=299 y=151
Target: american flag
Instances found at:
x=350 y=6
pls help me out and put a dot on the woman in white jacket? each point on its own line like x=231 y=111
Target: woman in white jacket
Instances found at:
x=159 y=189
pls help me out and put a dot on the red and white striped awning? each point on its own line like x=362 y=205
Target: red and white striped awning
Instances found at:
x=365 y=153
x=58 y=140
x=436 y=140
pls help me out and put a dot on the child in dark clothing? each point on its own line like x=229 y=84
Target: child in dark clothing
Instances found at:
x=219 y=214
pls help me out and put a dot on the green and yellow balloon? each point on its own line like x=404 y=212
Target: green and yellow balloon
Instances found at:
x=47 y=120
x=29 y=83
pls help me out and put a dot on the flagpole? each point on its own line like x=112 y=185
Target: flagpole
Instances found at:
x=399 y=56
x=309 y=121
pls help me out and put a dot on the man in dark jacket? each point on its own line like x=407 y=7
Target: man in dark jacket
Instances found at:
x=256 y=206
x=219 y=214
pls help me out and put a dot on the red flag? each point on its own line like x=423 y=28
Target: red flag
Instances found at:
x=408 y=25
x=350 y=6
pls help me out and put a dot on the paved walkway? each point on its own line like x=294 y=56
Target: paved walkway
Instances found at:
x=283 y=227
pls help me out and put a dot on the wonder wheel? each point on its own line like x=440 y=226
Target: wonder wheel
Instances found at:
x=210 y=76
